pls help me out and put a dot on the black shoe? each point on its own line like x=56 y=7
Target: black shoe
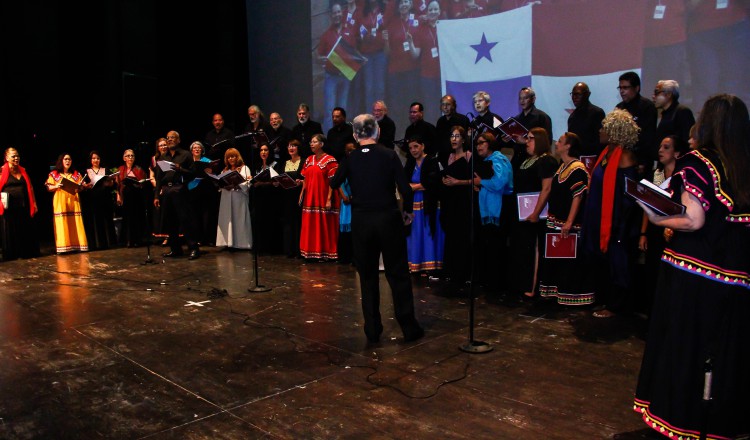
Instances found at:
x=414 y=335
x=173 y=254
x=195 y=253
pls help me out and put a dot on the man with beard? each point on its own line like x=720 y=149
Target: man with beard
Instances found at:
x=386 y=124
x=305 y=129
x=278 y=137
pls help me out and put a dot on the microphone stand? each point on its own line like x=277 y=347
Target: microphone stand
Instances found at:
x=258 y=288
x=473 y=346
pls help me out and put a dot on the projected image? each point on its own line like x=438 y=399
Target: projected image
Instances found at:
x=401 y=51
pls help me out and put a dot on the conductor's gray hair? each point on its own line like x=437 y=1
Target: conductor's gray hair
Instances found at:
x=365 y=127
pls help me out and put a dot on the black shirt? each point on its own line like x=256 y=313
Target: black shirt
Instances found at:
x=374 y=173
x=175 y=177
x=676 y=120
x=443 y=133
x=278 y=141
x=213 y=137
x=304 y=133
x=644 y=114
x=426 y=132
x=338 y=137
x=387 y=132
x=585 y=121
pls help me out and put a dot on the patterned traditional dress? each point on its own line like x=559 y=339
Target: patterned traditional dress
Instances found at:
x=562 y=277
x=320 y=226
x=66 y=207
x=701 y=316
x=426 y=242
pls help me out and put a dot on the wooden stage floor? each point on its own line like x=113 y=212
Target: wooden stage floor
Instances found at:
x=96 y=345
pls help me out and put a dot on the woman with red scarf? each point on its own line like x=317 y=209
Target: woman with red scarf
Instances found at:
x=611 y=219
x=17 y=210
x=70 y=235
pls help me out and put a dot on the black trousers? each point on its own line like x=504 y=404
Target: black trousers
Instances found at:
x=176 y=206
x=373 y=233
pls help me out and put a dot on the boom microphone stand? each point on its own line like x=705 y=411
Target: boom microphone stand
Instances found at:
x=258 y=288
x=473 y=346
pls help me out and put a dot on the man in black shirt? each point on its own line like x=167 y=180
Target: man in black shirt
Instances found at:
x=644 y=114
x=278 y=138
x=530 y=117
x=171 y=194
x=305 y=129
x=673 y=117
x=220 y=133
x=339 y=135
x=586 y=120
x=420 y=128
x=386 y=124
x=374 y=172
x=485 y=118
x=444 y=125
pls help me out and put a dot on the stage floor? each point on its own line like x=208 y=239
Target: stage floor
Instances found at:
x=97 y=345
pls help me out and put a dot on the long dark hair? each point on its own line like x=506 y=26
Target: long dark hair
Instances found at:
x=59 y=164
x=724 y=128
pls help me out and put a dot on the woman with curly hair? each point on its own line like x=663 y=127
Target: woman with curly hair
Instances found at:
x=611 y=219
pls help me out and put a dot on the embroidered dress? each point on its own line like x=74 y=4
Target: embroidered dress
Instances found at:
x=66 y=207
x=424 y=245
x=701 y=312
x=320 y=226
x=562 y=277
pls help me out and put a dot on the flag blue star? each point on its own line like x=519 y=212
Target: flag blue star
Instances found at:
x=483 y=49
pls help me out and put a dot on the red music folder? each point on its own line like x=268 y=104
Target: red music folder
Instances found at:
x=559 y=247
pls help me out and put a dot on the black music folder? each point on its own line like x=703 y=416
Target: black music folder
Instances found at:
x=652 y=196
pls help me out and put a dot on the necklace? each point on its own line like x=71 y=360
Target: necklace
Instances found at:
x=528 y=163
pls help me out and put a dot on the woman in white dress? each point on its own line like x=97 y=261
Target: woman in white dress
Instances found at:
x=234 y=208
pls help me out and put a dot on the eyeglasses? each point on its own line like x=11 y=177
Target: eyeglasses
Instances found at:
x=624 y=87
x=482 y=141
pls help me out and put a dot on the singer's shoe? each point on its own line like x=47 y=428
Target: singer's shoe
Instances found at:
x=195 y=253
x=173 y=254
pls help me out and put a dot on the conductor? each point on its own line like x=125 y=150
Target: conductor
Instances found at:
x=374 y=172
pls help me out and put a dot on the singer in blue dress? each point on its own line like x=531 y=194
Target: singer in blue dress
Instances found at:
x=426 y=240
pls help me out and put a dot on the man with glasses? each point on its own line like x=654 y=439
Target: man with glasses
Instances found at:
x=387 y=126
x=673 y=118
x=644 y=114
x=445 y=125
x=586 y=120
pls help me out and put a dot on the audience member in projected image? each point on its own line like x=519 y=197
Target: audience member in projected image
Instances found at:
x=611 y=219
x=425 y=241
x=473 y=9
x=665 y=42
x=484 y=119
x=530 y=117
x=157 y=229
x=291 y=213
x=278 y=138
x=370 y=24
x=718 y=33
x=456 y=216
x=693 y=376
x=266 y=200
x=320 y=205
x=17 y=225
x=336 y=85
x=585 y=120
x=305 y=129
x=492 y=186
x=132 y=195
x=220 y=133
x=564 y=278
x=533 y=175
x=445 y=125
x=339 y=135
x=452 y=8
x=387 y=126
x=233 y=228
x=420 y=128
x=97 y=205
x=203 y=196
x=644 y=114
x=426 y=50
x=70 y=235
x=403 y=67
x=653 y=238
x=673 y=117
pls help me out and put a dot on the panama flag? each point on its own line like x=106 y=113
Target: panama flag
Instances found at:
x=550 y=47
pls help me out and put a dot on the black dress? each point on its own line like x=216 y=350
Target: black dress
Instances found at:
x=19 y=239
x=97 y=206
x=456 y=218
x=291 y=212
